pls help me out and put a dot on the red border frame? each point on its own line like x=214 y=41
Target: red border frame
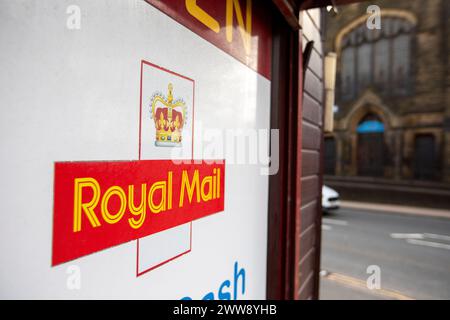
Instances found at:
x=139 y=156
x=138 y=274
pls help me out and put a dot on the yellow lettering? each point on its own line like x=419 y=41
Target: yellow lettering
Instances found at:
x=218 y=183
x=202 y=16
x=245 y=31
x=137 y=211
x=189 y=187
x=207 y=180
x=107 y=216
x=214 y=182
x=169 y=190
x=88 y=208
x=156 y=208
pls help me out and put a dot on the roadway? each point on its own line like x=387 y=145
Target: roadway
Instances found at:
x=412 y=252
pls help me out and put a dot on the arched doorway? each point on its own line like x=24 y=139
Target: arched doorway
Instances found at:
x=371 y=146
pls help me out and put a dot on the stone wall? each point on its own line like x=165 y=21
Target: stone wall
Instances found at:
x=425 y=110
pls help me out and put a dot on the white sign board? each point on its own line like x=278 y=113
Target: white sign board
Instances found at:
x=70 y=90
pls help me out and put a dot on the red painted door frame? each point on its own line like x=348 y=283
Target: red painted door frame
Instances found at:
x=285 y=186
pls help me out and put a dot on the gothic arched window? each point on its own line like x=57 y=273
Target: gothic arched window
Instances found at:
x=377 y=58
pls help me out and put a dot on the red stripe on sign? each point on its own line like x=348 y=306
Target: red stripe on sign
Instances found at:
x=98 y=205
x=243 y=29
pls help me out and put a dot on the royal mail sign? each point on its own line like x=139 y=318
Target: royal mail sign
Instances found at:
x=101 y=204
x=122 y=145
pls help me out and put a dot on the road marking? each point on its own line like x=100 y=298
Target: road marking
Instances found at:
x=424 y=212
x=361 y=284
x=420 y=239
x=335 y=222
x=326 y=228
x=407 y=236
x=436 y=236
x=429 y=244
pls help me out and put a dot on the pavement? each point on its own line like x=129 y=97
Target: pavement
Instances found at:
x=379 y=190
x=410 y=246
x=391 y=208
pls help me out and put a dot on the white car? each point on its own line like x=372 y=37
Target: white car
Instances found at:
x=330 y=198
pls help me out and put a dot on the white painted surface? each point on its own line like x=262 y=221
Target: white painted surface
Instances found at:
x=423 y=239
x=74 y=95
x=163 y=246
x=154 y=250
x=431 y=244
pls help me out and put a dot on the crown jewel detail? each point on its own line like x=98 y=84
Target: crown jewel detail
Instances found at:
x=169 y=117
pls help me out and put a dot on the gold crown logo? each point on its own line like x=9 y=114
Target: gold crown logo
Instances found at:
x=169 y=117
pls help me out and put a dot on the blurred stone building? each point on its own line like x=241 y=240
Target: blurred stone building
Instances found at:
x=392 y=113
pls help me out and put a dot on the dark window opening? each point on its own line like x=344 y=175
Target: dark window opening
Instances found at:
x=425 y=164
x=330 y=156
